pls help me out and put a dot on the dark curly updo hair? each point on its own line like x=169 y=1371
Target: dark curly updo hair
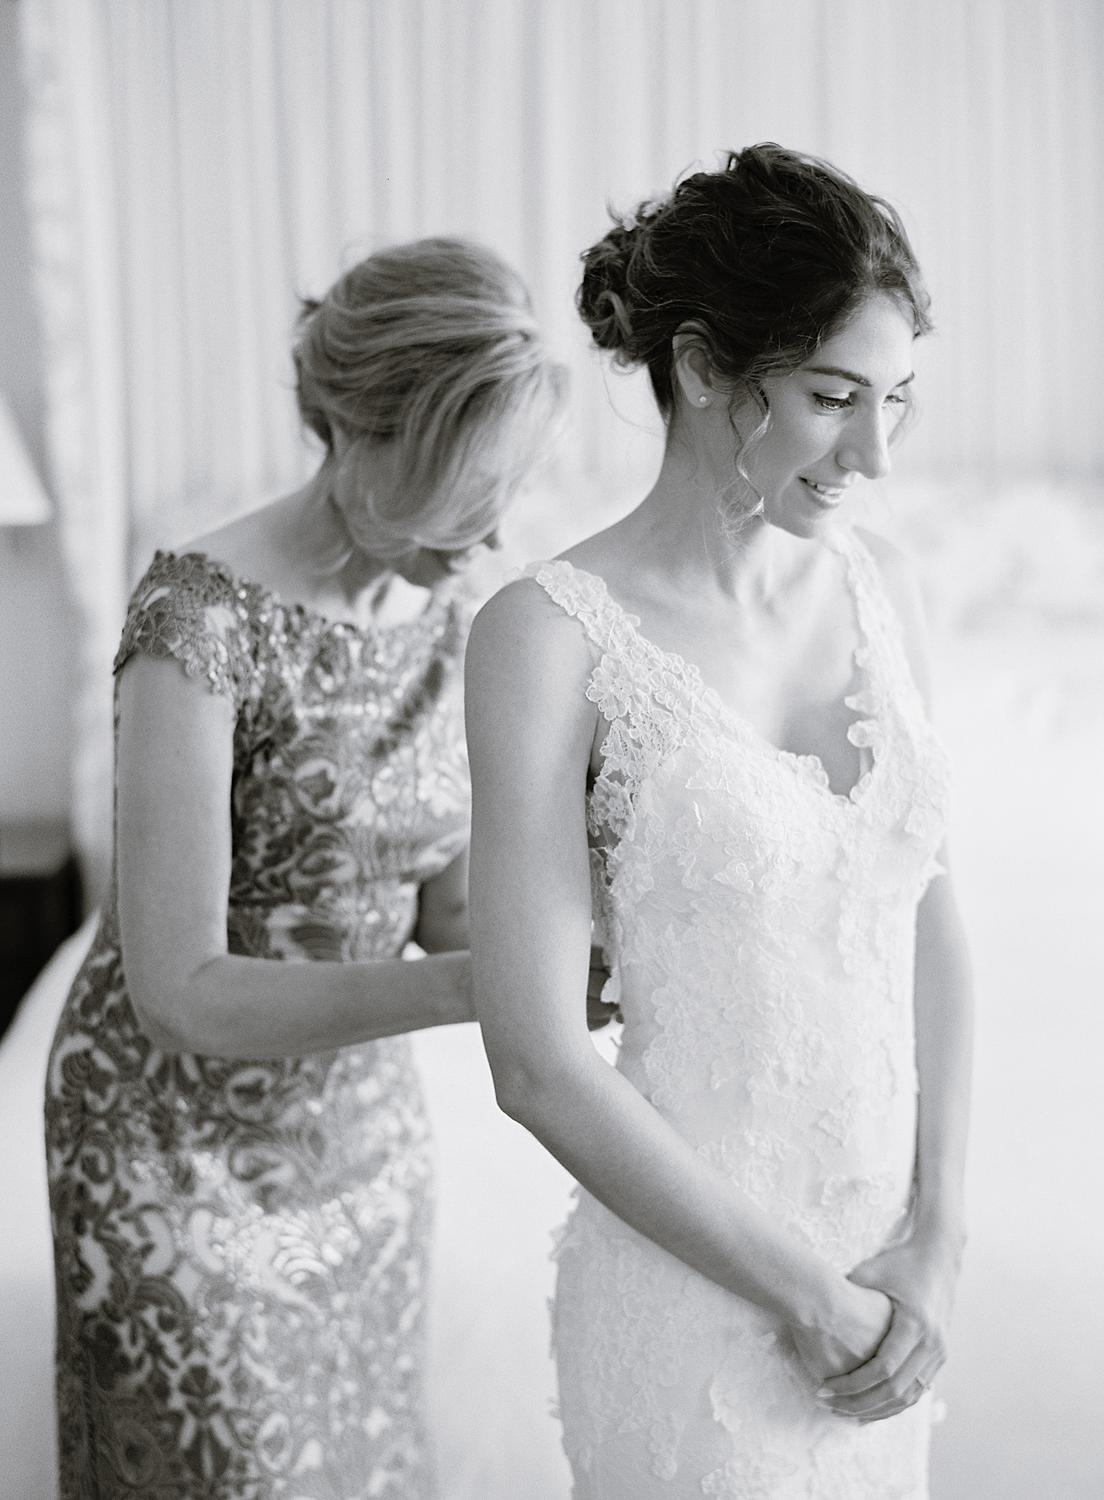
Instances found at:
x=762 y=260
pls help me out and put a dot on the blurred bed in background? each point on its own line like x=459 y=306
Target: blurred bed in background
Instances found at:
x=191 y=167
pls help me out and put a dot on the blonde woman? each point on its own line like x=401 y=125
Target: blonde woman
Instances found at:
x=708 y=720
x=238 y=1155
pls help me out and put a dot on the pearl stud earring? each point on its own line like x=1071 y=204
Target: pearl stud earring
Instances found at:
x=703 y=400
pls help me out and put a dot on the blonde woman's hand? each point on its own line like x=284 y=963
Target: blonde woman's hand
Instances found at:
x=919 y=1277
x=599 y=1011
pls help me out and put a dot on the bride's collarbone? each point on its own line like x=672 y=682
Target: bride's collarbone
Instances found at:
x=770 y=669
x=787 y=682
x=784 y=671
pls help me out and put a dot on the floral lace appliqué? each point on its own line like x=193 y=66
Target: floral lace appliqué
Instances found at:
x=760 y=931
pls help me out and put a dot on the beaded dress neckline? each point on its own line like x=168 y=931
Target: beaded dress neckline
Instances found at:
x=252 y=588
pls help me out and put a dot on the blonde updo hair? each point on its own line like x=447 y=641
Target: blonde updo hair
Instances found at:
x=430 y=347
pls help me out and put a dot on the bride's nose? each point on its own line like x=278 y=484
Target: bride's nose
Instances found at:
x=864 y=448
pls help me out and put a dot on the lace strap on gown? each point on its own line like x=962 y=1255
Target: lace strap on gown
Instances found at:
x=896 y=698
x=187 y=608
x=881 y=622
x=585 y=597
x=630 y=689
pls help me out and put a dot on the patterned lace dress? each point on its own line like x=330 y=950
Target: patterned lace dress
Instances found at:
x=241 y=1245
x=761 y=931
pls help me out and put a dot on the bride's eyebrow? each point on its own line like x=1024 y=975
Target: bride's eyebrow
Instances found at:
x=851 y=375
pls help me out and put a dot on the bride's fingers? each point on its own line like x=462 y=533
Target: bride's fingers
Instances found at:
x=919 y=1388
x=897 y=1346
x=893 y=1408
x=905 y=1385
x=931 y=1370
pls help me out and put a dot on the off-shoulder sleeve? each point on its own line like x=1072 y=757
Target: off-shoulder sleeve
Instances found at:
x=187 y=608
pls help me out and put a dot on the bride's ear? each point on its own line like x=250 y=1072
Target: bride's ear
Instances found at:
x=691 y=369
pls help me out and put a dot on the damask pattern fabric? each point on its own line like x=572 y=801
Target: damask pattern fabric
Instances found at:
x=241 y=1245
x=760 y=927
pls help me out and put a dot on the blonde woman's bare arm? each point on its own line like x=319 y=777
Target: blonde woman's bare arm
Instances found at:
x=173 y=843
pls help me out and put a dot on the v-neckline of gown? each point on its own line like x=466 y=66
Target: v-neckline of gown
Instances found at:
x=809 y=765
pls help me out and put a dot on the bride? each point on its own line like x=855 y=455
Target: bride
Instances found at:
x=705 y=729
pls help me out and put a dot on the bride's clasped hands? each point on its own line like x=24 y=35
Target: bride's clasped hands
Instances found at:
x=917 y=1278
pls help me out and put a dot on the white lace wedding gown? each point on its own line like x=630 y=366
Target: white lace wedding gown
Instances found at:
x=760 y=928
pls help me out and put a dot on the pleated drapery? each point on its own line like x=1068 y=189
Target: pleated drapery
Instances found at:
x=195 y=164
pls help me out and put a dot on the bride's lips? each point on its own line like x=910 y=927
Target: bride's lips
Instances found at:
x=826 y=496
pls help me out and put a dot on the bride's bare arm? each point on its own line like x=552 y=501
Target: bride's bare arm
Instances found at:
x=944 y=1049
x=173 y=844
x=920 y=1272
x=530 y=731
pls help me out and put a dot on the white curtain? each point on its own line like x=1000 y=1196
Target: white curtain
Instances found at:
x=195 y=164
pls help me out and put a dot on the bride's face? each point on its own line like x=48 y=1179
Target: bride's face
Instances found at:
x=831 y=420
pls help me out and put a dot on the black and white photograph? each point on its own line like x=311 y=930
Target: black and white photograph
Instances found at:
x=551 y=714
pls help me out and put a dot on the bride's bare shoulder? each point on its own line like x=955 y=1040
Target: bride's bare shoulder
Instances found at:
x=607 y=554
x=521 y=609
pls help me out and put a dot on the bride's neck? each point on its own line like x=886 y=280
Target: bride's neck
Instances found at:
x=710 y=540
